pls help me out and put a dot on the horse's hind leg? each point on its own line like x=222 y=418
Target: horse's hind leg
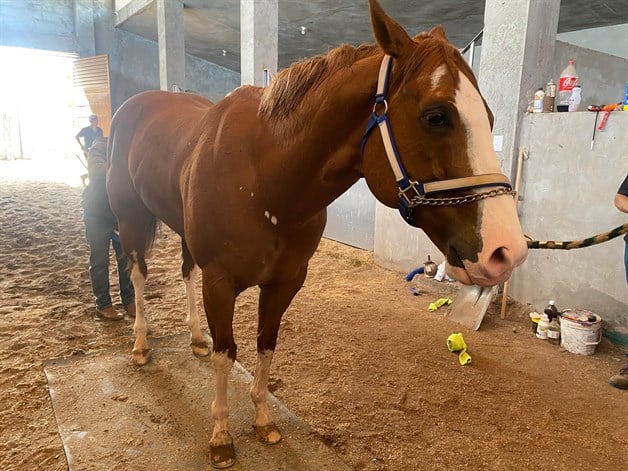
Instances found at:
x=273 y=301
x=197 y=340
x=140 y=352
x=135 y=233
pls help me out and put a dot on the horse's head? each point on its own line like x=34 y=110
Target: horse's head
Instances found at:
x=435 y=128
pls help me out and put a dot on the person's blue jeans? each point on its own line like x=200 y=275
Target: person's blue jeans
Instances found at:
x=626 y=259
x=99 y=234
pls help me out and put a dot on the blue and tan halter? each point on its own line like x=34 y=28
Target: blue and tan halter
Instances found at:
x=413 y=193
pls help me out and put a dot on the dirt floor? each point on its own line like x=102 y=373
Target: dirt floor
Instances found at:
x=360 y=359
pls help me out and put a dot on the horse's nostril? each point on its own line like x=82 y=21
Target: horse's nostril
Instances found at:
x=498 y=257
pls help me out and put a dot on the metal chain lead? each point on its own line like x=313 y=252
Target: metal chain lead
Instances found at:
x=416 y=201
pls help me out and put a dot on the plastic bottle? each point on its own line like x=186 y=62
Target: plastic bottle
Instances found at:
x=550 y=97
x=551 y=311
x=543 y=327
x=539 y=95
x=575 y=98
x=568 y=78
x=553 y=332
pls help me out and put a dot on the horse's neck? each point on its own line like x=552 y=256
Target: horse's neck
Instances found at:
x=323 y=159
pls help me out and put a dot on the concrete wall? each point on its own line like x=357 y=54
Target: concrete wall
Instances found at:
x=133 y=60
x=611 y=40
x=135 y=67
x=399 y=246
x=134 y=63
x=567 y=194
x=38 y=24
x=602 y=76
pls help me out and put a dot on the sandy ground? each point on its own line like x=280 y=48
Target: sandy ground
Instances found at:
x=360 y=359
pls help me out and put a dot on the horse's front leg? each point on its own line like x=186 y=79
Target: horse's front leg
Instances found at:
x=273 y=302
x=219 y=300
x=197 y=340
x=221 y=449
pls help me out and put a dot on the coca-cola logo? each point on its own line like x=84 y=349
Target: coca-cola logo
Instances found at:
x=567 y=83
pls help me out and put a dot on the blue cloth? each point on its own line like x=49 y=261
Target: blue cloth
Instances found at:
x=99 y=234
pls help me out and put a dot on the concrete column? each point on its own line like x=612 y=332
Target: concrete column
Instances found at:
x=170 y=31
x=85 y=40
x=259 y=38
x=517 y=58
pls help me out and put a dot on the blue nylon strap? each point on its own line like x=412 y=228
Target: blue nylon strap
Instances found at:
x=403 y=182
x=380 y=98
x=369 y=127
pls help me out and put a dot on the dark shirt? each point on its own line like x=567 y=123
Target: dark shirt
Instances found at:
x=623 y=190
x=88 y=134
x=95 y=199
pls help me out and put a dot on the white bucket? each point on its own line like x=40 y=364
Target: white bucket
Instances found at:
x=577 y=333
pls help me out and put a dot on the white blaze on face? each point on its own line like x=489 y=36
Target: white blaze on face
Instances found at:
x=474 y=118
x=499 y=225
x=437 y=75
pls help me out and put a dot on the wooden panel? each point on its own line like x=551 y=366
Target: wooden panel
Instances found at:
x=91 y=75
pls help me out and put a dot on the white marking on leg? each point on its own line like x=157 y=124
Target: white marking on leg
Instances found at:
x=259 y=388
x=222 y=365
x=192 y=319
x=139 y=327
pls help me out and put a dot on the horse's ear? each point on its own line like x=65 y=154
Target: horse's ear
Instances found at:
x=390 y=36
x=439 y=31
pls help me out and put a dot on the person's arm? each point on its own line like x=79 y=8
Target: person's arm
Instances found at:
x=78 y=139
x=621 y=198
x=621 y=202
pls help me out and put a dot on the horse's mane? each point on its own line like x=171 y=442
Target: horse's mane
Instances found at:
x=282 y=99
x=290 y=85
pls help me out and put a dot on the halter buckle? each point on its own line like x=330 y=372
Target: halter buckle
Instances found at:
x=410 y=200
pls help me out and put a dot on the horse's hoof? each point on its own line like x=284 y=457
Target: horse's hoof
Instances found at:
x=222 y=456
x=268 y=434
x=140 y=357
x=200 y=349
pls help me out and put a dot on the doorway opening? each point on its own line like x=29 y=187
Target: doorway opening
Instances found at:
x=39 y=116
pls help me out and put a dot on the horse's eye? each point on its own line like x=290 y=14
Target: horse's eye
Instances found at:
x=435 y=118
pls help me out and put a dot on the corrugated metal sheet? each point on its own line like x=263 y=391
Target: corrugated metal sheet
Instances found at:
x=91 y=74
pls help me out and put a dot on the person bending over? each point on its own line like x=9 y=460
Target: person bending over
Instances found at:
x=101 y=233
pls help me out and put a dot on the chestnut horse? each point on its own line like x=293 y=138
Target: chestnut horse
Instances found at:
x=246 y=181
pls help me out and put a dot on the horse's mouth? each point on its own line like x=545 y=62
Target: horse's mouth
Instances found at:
x=472 y=273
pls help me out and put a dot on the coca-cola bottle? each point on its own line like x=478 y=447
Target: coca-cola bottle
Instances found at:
x=568 y=78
